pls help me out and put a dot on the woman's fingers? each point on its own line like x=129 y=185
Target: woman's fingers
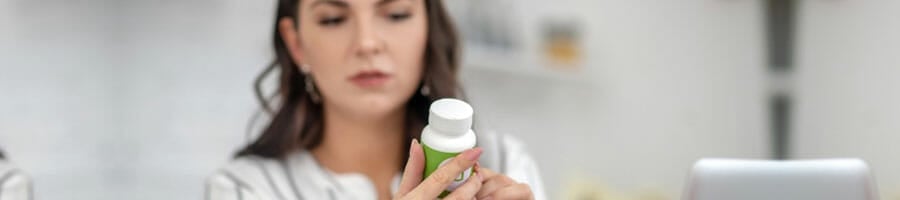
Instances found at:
x=493 y=184
x=435 y=183
x=518 y=191
x=467 y=190
x=412 y=173
x=499 y=186
x=488 y=174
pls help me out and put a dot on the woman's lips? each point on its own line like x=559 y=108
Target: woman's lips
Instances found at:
x=370 y=79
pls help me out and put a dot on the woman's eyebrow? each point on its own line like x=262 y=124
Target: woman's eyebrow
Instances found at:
x=384 y=2
x=337 y=3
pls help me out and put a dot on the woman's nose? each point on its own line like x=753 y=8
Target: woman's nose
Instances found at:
x=368 y=41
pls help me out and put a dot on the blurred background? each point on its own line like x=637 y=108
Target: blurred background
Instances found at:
x=111 y=99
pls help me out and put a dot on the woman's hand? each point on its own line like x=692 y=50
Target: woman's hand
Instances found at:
x=499 y=186
x=413 y=187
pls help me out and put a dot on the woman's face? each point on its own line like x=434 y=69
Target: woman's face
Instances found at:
x=365 y=55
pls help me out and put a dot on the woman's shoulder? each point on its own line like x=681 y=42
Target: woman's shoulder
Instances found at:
x=13 y=182
x=245 y=176
x=9 y=172
x=242 y=164
x=255 y=177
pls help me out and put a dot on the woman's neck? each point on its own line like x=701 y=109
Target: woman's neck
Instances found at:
x=368 y=146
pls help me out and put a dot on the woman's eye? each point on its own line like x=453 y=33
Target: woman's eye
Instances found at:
x=399 y=16
x=331 y=21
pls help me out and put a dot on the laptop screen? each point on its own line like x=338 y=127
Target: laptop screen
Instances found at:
x=828 y=179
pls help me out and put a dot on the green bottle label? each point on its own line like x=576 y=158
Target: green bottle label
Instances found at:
x=435 y=159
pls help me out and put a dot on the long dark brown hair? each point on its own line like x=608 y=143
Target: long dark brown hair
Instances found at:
x=297 y=122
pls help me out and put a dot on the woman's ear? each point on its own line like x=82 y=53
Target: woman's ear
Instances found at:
x=289 y=33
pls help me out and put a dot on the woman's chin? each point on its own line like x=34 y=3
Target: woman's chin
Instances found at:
x=375 y=106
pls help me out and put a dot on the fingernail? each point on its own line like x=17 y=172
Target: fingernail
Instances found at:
x=412 y=145
x=473 y=154
x=480 y=177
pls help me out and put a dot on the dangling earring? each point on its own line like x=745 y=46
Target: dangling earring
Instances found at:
x=425 y=90
x=308 y=82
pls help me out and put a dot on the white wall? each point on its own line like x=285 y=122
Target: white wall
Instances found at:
x=848 y=85
x=189 y=99
x=127 y=99
x=54 y=120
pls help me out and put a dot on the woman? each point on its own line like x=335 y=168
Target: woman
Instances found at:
x=356 y=79
x=14 y=184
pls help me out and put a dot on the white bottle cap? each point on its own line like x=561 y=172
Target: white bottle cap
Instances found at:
x=450 y=116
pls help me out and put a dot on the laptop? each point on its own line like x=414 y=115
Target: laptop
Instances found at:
x=827 y=179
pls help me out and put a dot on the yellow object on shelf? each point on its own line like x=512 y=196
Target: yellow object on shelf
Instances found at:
x=561 y=44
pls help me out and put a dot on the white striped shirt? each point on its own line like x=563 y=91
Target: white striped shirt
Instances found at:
x=300 y=177
x=14 y=184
